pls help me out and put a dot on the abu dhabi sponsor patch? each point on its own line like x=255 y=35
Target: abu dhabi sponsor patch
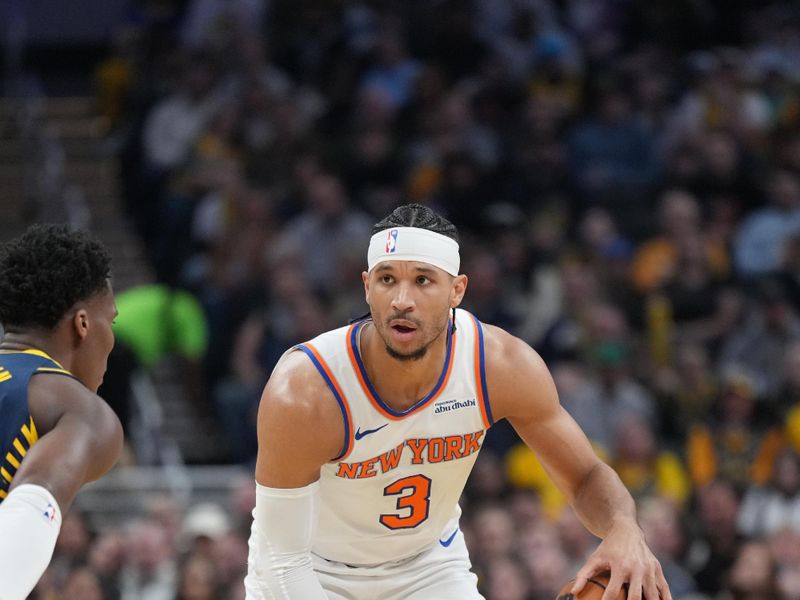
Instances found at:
x=443 y=406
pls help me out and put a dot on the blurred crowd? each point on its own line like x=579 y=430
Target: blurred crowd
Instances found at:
x=625 y=177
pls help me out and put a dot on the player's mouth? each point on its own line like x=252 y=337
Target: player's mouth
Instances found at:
x=403 y=330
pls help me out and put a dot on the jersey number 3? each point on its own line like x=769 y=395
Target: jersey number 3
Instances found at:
x=417 y=502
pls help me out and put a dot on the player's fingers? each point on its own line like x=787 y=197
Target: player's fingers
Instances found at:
x=635 y=586
x=618 y=577
x=651 y=587
x=663 y=586
x=590 y=568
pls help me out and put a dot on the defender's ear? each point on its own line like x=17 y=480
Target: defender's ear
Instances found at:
x=365 y=279
x=80 y=323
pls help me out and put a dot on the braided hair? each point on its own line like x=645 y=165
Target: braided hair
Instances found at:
x=417 y=215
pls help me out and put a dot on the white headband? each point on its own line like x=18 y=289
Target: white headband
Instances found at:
x=413 y=243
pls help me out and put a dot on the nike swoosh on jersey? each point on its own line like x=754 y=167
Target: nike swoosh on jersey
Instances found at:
x=449 y=540
x=360 y=434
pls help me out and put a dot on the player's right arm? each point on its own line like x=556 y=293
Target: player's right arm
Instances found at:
x=300 y=428
x=81 y=439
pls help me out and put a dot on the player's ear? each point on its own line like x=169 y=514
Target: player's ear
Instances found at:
x=80 y=323
x=459 y=288
x=365 y=279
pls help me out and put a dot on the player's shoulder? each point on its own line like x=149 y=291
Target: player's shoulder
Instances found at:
x=296 y=385
x=298 y=403
x=506 y=354
x=51 y=396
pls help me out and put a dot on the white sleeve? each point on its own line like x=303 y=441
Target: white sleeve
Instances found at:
x=30 y=520
x=285 y=521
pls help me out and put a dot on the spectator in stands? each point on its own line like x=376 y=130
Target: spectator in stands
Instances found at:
x=506 y=579
x=393 y=72
x=612 y=155
x=715 y=540
x=198 y=579
x=656 y=259
x=150 y=571
x=763 y=235
x=753 y=574
x=646 y=469
x=320 y=237
x=761 y=342
x=735 y=445
x=775 y=505
x=686 y=392
x=106 y=559
x=82 y=584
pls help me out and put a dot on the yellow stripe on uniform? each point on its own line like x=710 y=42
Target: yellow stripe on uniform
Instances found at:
x=41 y=353
x=20 y=448
x=28 y=435
x=52 y=370
x=3 y=494
x=6 y=475
x=4 y=375
x=34 y=433
x=12 y=459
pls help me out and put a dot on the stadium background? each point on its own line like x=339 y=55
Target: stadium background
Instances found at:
x=626 y=177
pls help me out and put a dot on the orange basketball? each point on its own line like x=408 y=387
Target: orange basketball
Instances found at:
x=593 y=590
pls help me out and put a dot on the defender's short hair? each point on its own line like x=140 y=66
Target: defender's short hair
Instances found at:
x=417 y=215
x=45 y=271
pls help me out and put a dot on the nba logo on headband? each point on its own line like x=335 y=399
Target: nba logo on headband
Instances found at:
x=391 y=241
x=419 y=245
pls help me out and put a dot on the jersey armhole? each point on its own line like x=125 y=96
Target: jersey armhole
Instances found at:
x=327 y=375
x=480 y=374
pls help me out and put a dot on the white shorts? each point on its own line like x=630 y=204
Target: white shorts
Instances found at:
x=439 y=573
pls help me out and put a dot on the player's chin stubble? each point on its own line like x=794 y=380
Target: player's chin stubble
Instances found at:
x=416 y=355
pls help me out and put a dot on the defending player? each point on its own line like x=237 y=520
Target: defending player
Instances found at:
x=367 y=435
x=56 y=307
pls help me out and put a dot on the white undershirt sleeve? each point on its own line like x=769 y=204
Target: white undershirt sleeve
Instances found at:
x=30 y=520
x=285 y=521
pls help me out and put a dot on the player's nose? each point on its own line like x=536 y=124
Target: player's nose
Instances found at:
x=403 y=300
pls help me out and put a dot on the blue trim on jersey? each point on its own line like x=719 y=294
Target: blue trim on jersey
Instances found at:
x=373 y=391
x=482 y=363
x=336 y=395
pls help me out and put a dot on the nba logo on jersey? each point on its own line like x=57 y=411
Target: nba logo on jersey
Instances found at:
x=50 y=512
x=391 y=241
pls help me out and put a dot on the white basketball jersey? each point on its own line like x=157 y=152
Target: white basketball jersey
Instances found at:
x=394 y=489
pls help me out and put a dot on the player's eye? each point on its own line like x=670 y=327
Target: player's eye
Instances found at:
x=386 y=279
x=422 y=280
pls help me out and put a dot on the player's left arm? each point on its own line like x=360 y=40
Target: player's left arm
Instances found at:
x=522 y=390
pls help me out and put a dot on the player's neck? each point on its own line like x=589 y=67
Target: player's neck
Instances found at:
x=18 y=340
x=401 y=383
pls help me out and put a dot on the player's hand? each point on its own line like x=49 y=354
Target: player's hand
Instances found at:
x=625 y=554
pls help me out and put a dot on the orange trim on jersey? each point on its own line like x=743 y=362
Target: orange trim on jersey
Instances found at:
x=478 y=379
x=343 y=400
x=351 y=352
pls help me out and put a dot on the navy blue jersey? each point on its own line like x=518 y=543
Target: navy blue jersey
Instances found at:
x=17 y=429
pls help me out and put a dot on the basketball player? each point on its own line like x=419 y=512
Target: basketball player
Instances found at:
x=56 y=307
x=367 y=435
